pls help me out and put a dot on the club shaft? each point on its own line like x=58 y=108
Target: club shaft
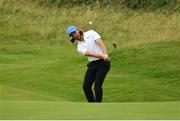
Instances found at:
x=111 y=52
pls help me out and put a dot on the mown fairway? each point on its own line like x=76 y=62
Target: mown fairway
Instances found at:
x=41 y=74
x=71 y=110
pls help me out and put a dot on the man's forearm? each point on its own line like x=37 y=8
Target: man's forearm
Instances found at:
x=93 y=54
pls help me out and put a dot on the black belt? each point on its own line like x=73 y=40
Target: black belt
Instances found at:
x=97 y=62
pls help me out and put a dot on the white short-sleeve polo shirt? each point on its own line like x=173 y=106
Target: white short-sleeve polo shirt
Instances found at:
x=90 y=38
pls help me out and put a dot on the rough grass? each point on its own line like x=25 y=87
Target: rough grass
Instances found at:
x=37 y=61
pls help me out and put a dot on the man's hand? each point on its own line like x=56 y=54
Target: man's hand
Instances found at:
x=105 y=57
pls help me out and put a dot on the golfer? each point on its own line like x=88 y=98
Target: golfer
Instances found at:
x=91 y=45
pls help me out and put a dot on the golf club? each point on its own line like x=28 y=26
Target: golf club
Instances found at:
x=114 y=48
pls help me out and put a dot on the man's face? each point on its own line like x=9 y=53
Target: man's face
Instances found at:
x=76 y=35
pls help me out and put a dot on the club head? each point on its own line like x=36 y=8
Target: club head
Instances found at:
x=115 y=45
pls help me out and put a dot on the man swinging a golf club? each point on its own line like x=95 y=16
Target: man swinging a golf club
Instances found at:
x=91 y=45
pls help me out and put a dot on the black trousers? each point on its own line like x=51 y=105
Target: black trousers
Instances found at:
x=96 y=73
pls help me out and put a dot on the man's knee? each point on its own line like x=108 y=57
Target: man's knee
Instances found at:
x=97 y=87
x=86 y=87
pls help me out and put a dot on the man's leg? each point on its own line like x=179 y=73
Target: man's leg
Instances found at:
x=88 y=82
x=99 y=79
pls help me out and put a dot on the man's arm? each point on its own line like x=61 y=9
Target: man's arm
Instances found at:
x=102 y=46
x=93 y=54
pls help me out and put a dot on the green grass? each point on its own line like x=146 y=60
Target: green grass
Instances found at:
x=39 y=66
x=52 y=73
x=69 y=110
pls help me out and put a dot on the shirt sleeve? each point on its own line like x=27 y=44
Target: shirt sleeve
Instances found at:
x=95 y=35
x=81 y=49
